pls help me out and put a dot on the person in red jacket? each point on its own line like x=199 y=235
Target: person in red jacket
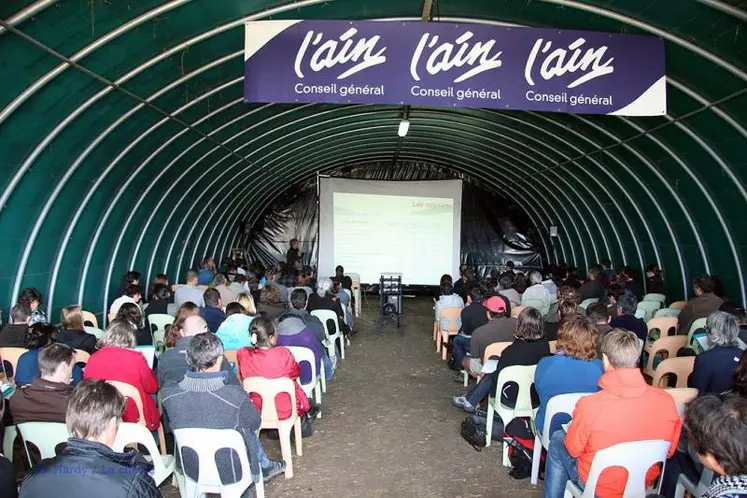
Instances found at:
x=118 y=360
x=271 y=362
x=625 y=410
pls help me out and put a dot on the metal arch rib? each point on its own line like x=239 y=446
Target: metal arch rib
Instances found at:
x=725 y=8
x=27 y=12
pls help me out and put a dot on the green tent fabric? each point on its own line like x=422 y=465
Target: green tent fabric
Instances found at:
x=159 y=172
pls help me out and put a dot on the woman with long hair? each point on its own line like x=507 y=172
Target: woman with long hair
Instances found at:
x=131 y=313
x=173 y=333
x=73 y=332
x=247 y=302
x=31 y=299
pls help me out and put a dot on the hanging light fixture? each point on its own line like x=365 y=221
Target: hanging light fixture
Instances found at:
x=404 y=127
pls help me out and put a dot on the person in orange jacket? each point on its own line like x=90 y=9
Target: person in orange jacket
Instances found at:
x=625 y=410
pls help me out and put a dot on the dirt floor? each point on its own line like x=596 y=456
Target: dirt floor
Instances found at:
x=388 y=428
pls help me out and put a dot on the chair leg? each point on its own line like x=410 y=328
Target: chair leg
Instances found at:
x=342 y=346
x=506 y=460
x=259 y=487
x=162 y=439
x=536 y=458
x=444 y=346
x=489 y=422
x=299 y=438
x=285 y=450
x=318 y=398
x=466 y=377
x=438 y=344
x=8 y=440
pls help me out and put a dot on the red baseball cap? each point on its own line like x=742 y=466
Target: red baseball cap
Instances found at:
x=496 y=304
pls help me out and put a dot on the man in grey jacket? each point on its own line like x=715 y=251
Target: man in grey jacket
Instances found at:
x=203 y=400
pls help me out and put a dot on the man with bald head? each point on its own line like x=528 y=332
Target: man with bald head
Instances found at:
x=172 y=365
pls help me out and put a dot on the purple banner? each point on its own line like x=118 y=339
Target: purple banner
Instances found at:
x=455 y=65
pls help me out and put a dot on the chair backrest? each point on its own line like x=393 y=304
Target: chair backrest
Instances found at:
x=11 y=355
x=700 y=323
x=90 y=318
x=44 y=435
x=588 y=302
x=495 y=349
x=641 y=313
x=82 y=356
x=453 y=315
x=302 y=354
x=129 y=433
x=206 y=443
x=326 y=316
x=562 y=403
x=523 y=375
x=669 y=344
x=516 y=310
x=267 y=390
x=678 y=305
x=158 y=323
x=356 y=278
x=666 y=325
x=171 y=309
x=681 y=396
x=540 y=306
x=130 y=391
x=637 y=457
x=94 y=331
x=149 y=352
x=648 y=308
x=667 y=312
x=681 y=367
x=553 y=346
x=655 y=297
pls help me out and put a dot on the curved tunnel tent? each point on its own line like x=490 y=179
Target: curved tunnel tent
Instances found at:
x=159 y=171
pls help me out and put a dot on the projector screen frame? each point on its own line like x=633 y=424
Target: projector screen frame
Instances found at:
x=327 y=186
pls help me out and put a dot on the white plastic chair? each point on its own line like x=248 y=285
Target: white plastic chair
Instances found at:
x=652 y=296
x=696 y=490
x=326 y=316
x=149 y=352
x=649 y=308
x=667 y=312
x=562 y=403
x=524 y=377
x=636 y=457
x=588 y=302
x=44 y=435
x=8 y=439
x=267 y=390
x=681 y=396
x=206 y=443
x=314 y=386
x=128 y=433
x=130 y=391
x=158 y=323
x=94 y=331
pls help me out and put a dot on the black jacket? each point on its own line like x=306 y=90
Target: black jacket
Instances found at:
x=86 y=469
x=78 y=339
x=14 y=335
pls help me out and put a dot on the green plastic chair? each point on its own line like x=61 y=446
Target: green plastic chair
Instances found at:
x=655 y=297
x=649 y=307
x=44 y=435
x=667 y=312
x=700 y=323
x=536 y=304
x=588 y=302
x=158 y=323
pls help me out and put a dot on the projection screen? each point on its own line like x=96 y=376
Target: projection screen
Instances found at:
x=373 y=227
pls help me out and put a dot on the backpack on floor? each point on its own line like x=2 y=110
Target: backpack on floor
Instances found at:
x=474 y=433
x=481 y=417
x=519 y=437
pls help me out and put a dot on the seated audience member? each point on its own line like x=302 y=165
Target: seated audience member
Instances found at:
x=246 y=301
x=40 y=335
x=655 y=280
x=445 y=278
x=174 y=331
x=293 y=332
x=159 y=279
x=347 y=282
x=473 y=317
x=234 y=331
x=207 y=271
x=287 y=277
x=537 y=292
x=133 y=295
x=461 y=286
x=203 y=399
x=222 y=285
x=574 y=368
x=118 y=360
x=629 y=276
x=703 y=304
x=32 y=299
x=606 y=276
x=298 y=301
x=626 y=409
x=8 y=486
x=172 y=364
x=73 y=332
x=528 y=348
x=190 y=292
x=716 y=427
x=506 y=288
x=271 y=362
x=521 y=283
x=564 y=293
x=13 y=335
x=626 y=319
x=549 y=283
x=600 y=319
x=345 y=300
x=740 y=315
x=500 y=327
x=567 y=310
x=614 y=291
x=237 y=286
x=593 y=288
x=212 y=312
x=93 y=417
x=714 y=369
x=509 y=269
x=448 y=299
x=159 y=301
x=322 y=299
x=131 y=313
x=572 y=278
x=132 y=277
x=45 y=399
